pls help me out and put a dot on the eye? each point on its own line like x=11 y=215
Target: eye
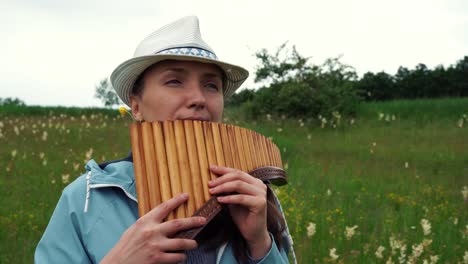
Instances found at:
x=213 y=86
x=173 y=82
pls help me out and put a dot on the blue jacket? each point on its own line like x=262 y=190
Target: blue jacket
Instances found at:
x=95 y=210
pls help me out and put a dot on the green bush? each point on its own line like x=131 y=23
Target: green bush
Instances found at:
x=295 y=88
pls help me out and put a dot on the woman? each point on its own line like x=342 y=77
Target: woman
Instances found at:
x=174 y=75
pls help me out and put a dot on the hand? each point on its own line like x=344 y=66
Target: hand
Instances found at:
x=148 y=240
x=247 y=205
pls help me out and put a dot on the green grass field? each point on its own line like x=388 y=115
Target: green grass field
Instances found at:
x=359 y=184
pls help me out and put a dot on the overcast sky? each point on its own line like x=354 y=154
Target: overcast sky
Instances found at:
x=54 y=52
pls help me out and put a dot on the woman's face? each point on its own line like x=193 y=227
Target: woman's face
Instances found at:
x=175 y=90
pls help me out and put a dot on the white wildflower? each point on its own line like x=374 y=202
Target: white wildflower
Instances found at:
x=402 y=257
x=323 y=121
x=465 y=257
x=329 y=192
x=455 y=221
x=65 y=178
x=417 y=250
x=389 y=261
x=44 y=162
x=44 y=136
x=350 y=232
x=379 y=251
x=333 y=254
x=351 y=122
x=381 y=116
x=279 y=130
x=89 y=153
x=16 y=130
x=309 y=136
x=393 y=117
x=311 y=229
x=426 y=226
x=426 y=242
x=41 y=155
x=465 y=193
x=374 y=144
x=268 y=117
x=434 y=259
x=406 y=165
x=76 y=166
x=1 y=124
x=387 y=118
x=460 y=122
x=13 y=153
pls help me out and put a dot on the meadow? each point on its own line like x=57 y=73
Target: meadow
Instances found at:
x=387 y=186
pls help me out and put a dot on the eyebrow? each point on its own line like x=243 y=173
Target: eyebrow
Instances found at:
x=206 y=74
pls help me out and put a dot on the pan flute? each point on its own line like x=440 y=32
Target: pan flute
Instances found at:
x=173 y=157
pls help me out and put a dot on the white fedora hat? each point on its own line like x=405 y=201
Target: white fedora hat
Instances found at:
x=180 y=40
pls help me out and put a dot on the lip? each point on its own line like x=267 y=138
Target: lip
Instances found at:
x=196 y=118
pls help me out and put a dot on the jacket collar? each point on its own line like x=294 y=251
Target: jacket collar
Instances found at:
x=114 y=174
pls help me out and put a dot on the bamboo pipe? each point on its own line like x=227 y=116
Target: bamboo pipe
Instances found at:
x=150 y=164
x=139 y=169
x=202 y=158
x=195 y=172
x=161 y=161
x=171 y=152
x=210 y=147
x=184 y=171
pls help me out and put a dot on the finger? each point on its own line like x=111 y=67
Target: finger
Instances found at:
x=173 y=226
x=178 y=244
x=232 y=174
x=161 y=211
x=239 y=187
x=169 y=258
x=242 y=199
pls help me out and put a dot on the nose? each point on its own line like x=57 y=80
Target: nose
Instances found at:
x=196 y=98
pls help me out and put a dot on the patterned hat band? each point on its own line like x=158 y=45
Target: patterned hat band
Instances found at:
x=190 y=51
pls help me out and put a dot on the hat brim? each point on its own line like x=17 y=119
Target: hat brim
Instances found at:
x=124 y=76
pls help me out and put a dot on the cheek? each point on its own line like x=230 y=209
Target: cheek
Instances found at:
x=217 y=107
x=157 y=106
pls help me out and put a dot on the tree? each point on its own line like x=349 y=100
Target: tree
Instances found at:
x=376 y=86
x=282 y=66
x=12 y=101
x=294 y=87
x=105 y=92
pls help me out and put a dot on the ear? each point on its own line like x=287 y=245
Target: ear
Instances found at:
x=135 y=103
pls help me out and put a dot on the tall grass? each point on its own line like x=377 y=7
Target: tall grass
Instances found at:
x=382 y=175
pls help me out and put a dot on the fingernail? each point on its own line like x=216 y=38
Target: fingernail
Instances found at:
x=202 y=220
x=211 y=190
x=213 y=166
x=184 y=195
